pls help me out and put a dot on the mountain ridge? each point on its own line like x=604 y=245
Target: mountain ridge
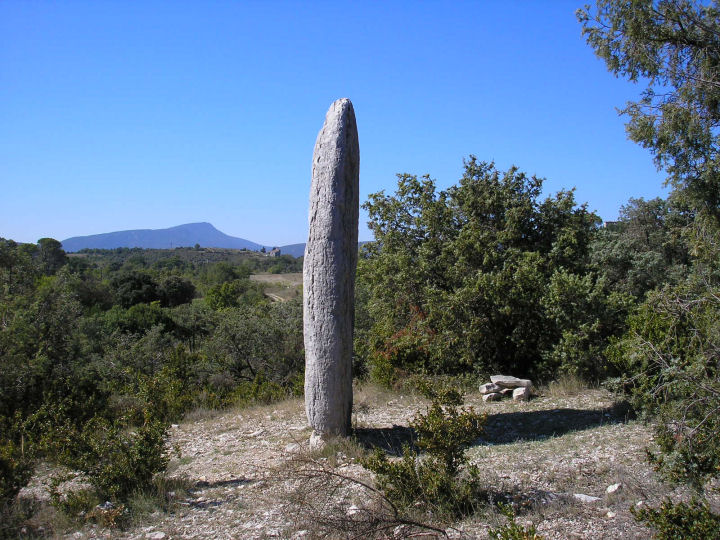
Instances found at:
x=186 y=235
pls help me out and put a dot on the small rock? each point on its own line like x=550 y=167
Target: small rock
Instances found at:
x=490 y=388
x=521 y=394
x=506 y=381
x=614 y=488
x=292 y=447
x=352 y=511
x=495 y=396
x=611 y=514
x=159 y=535
x=585 y=498
x=317 y=441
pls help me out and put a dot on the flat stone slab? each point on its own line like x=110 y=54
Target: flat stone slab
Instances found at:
x=507 y=381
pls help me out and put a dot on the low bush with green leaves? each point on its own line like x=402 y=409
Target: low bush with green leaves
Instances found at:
x=512 y=530
x=119 y=462
x=435 y=476
x=15 y=470
x=680 y=520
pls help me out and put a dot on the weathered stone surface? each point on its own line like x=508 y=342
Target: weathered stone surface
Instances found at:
x=507 y=381
x=489 y=388
x=521 y=394
x=329 y=273
x=506 y=392
x=585 y=498
x=614 y=488
x=495 y=396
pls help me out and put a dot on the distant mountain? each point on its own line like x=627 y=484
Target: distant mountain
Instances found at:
x=181 y=236
x=298 y=250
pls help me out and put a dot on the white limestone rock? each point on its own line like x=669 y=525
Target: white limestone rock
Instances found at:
x=329 y=273
x=507 y=381
x=521 y=394
x=585 y=498
x=490 y=388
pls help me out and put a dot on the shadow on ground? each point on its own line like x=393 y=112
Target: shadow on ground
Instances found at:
x=505 y=428
x=390 y=440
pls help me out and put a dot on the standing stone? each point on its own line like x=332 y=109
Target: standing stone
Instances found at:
x=329 y=274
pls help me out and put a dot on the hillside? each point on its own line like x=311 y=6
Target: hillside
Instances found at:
x=248 y=472
x=186 y=235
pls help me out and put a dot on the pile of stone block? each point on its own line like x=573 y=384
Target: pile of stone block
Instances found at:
x=504 y=386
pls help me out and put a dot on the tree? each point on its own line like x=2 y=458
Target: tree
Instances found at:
x=670 y=353
x=645 y=248
x=134 y=287
x=674 y=47
x=51 y=255
x=174 y=291
x=456 y=279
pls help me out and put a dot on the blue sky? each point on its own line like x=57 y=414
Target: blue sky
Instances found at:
x=129 y=115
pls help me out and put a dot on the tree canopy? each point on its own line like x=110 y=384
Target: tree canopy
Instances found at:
x=673 y=46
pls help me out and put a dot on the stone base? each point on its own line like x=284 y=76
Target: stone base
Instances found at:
x=318 y=441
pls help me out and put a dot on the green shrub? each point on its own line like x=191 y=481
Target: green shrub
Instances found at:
x=116 y=461
x=15 y=470
x=437 y=480
x=681 y=520
x=670 y=362
x=511 y=530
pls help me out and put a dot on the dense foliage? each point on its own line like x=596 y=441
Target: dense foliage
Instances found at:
x=99 y=351
x=669 y=356
x=484 y=276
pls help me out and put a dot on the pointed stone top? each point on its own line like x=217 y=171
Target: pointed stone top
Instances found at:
x=342 y=102
x=339 y=111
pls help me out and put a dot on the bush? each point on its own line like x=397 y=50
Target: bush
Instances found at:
x=512 y=531
x=671 y=365
x=459 y=280
x=438 y=480
x=116 y=461
x=681 y=520
x=15 y=471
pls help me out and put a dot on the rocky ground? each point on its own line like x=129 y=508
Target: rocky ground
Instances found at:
x=249 y=473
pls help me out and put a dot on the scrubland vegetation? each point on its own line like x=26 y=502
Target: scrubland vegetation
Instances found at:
x=101 y=351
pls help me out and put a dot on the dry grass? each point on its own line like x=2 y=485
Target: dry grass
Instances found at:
x=566 y=385
x=280 y=287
